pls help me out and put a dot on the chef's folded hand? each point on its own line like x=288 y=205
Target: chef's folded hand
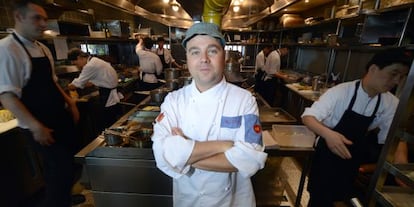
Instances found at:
x=337 y=143
x=178 y=131
x=43 y=135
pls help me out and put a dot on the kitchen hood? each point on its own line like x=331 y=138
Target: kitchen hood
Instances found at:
x=183 y=13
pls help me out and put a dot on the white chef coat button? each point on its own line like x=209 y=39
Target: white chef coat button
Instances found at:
x=226 y=189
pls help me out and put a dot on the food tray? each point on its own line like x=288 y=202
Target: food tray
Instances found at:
x=293 y=135
x=274 y=116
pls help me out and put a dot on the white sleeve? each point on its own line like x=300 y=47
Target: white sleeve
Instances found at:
x=247 y=154
x=86 y=75
x=259 y=62
x=324 y=106
x=383 y=120
x=158 y=65
x=168 y=57
x=171 y=152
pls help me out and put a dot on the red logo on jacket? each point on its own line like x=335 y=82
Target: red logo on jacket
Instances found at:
x=257 y=128
x=159 y=117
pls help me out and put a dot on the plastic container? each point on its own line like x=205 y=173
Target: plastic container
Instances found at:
x=293 y=135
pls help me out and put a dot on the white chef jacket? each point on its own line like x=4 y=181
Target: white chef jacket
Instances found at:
x=330 y=107
x=260 y=61
x=272 y=65
x=224 y=112
x=149 y=63
x=167 y=54
x=101 y=74
x=16 y=66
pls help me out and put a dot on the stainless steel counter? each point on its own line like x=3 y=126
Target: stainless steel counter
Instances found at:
x=307 y=94
x=124 y=176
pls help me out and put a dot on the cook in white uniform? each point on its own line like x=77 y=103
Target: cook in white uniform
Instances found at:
x=150 y=64
x=208 y=135
x=165 y=54
x=342 y=116
x=101 y=74
x=271 y=83
x=260 y=74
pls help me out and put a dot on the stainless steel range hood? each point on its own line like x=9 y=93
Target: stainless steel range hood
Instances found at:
x=190 y=11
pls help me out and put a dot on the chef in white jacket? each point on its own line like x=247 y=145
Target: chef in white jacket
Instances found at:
x=208 y=136
x=101 y=74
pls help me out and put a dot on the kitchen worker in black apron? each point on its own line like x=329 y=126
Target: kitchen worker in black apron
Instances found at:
x=341 y=118
x=97 y=72
x=166 y=58
x=29 y=90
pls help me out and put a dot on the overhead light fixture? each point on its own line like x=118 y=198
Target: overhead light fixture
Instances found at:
x=236 y=6
x=175 y=6
x=306 y=1
x=166 y=1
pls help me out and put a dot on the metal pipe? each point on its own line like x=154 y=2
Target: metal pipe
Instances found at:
x=213 y=10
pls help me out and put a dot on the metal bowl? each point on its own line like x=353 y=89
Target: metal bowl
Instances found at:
x=141 y=138
x=158 y=95
x=185 y=80
x=113 y=138
x=172 y=73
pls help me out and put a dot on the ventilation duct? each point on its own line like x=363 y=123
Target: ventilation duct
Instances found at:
x=213 y=10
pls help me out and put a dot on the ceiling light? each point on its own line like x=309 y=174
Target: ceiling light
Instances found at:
x=306 y=1
x=175 y=6
x=166 y=1
x=236 y=6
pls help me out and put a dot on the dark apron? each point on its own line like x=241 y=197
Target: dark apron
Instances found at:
x=110 y=114
x=331 y=177
x=164 y=65
x=43 y=99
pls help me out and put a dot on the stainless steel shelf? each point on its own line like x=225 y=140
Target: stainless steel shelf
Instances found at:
x=391 y=196
x=405 y=172
x=404 y=135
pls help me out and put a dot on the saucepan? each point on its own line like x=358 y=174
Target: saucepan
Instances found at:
x=113 y=138
x=141 y=138
x=172 y=73
x=185 y=80
x=158 y=95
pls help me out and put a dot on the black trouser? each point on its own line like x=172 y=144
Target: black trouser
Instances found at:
x=143 y=86
x=268 y=91
x=258 y=78
x=111 y=114
x=58 y=162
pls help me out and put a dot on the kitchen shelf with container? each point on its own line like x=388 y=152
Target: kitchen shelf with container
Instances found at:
x=401 y=130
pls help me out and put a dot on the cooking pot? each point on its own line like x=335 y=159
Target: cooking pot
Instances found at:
x=172 y=73
x=141 y=138
x=185 y=80
x=158 y=95
x=172 y=84
x=113 y=138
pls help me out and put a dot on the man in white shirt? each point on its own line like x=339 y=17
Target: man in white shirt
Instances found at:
x=271 y=80
x=45 y=113
x=166 y=58
x=259 y=73
x=101 y=74
x=342 y=116
x=208 y=134
x=149 y=64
